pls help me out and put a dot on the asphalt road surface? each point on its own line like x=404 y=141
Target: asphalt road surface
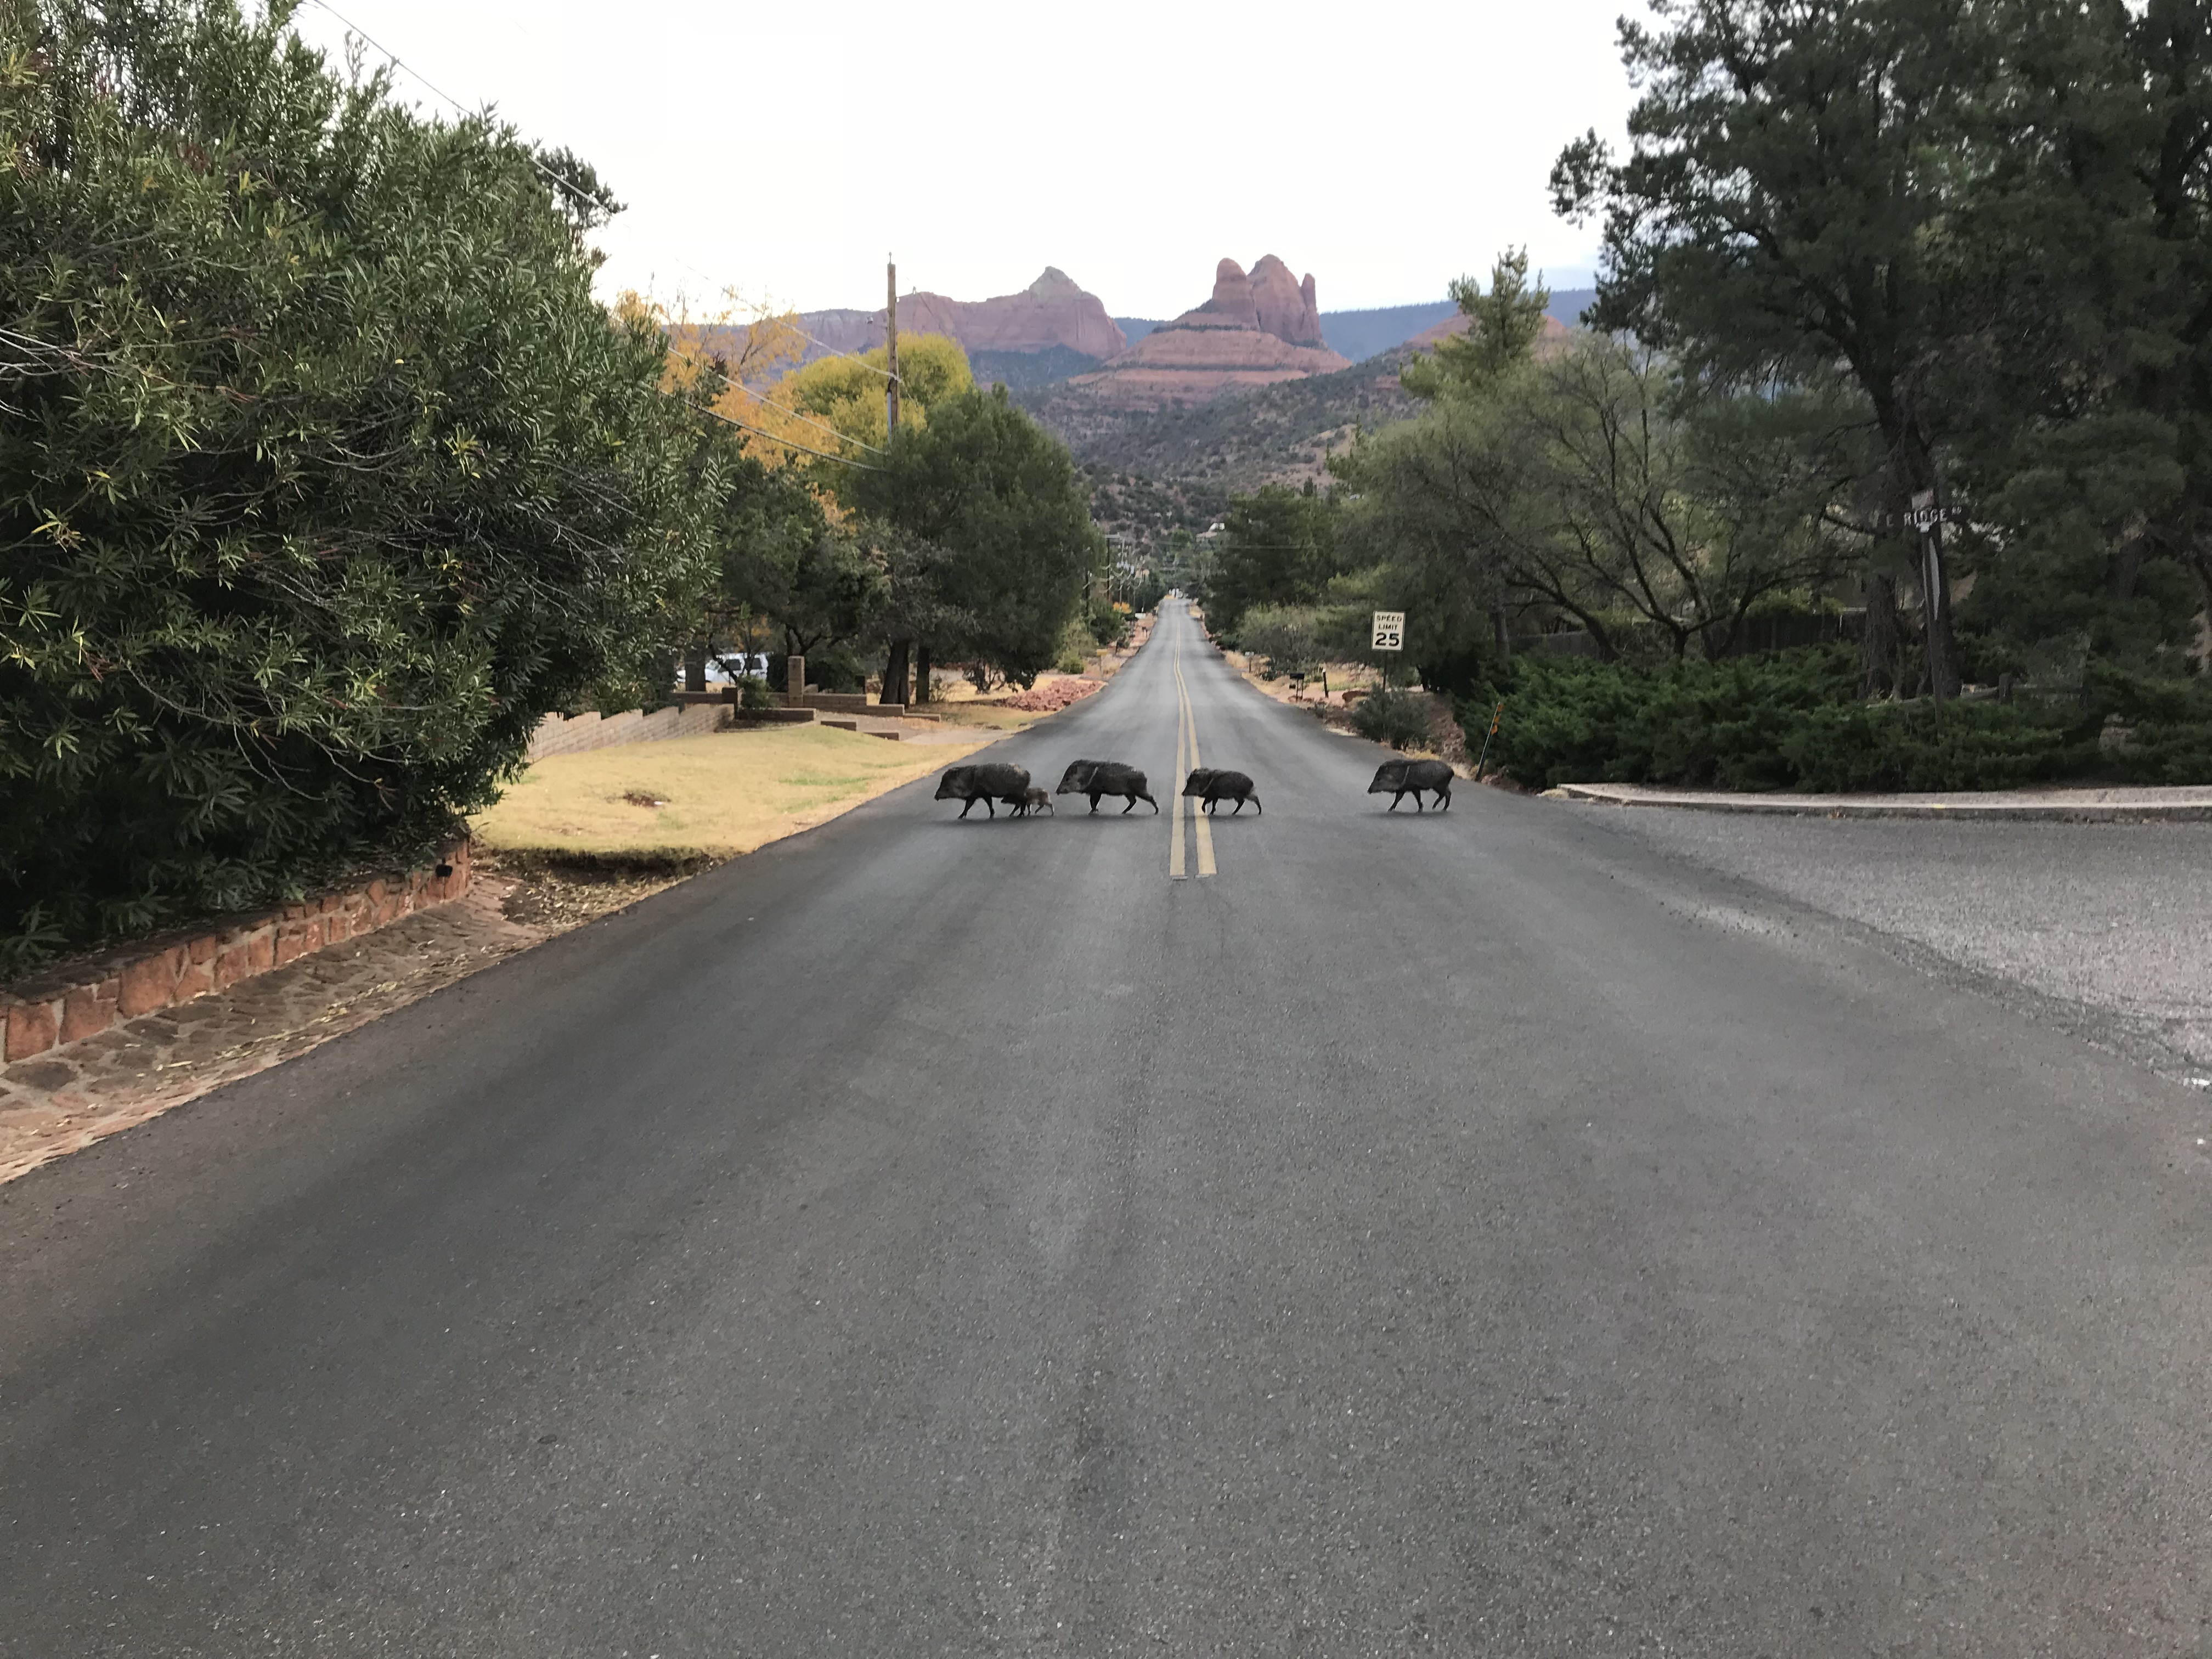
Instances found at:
x=1481 y=1233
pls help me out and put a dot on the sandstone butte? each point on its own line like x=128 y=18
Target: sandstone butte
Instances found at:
x=1255 y=331
x=1053 y=311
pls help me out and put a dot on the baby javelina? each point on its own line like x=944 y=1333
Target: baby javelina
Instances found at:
x=1033 y=800
x=991 y=782
x=1210 y=784
x=1096 y=778
x=1400 y=778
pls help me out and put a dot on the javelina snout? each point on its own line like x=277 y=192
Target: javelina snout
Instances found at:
x=1098 y=778
x=1212 y=784
x=994 y=781
x=1399 y=778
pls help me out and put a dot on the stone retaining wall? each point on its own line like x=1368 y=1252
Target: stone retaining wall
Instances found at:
x=84 y=1000
x=556 y=736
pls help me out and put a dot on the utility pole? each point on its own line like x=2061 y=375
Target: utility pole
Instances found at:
x=890 y=336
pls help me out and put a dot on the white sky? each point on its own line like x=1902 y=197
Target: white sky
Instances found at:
x=1385 y=147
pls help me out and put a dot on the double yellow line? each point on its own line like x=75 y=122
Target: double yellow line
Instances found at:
x=1186 y=760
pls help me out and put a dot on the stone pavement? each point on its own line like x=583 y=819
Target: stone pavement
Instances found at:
x=2050 y=806
x=57 y=1102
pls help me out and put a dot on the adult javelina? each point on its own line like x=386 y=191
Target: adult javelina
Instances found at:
x=995 y=782
x=1210 y=784
x=1096 y=778
x=1399 y=778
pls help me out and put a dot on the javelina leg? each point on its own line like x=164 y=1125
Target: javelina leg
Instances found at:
x=1395 y=799
x=1094 y=800
x=1130 y=808
x=1156 y=806
x=969 y=807
x=1418 y=807
x=1240 y=805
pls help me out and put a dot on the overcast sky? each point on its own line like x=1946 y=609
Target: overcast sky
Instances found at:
x=1385 y=145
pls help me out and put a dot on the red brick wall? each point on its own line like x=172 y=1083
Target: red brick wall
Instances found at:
x=84 y=1000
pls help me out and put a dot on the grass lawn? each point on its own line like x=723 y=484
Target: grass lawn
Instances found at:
x=719 y=794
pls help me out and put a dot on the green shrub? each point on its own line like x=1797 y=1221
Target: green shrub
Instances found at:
x=1398 y=718
x=1792 y=720
x=2169 y=726
x=323 y=478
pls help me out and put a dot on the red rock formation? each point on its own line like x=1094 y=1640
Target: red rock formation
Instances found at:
x=1053 y=311
x=1285 y=309
x=1253 y=332
x=1232 y=296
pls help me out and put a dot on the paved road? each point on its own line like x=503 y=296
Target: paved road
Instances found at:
x=1484 y=1234
x=2105 y=928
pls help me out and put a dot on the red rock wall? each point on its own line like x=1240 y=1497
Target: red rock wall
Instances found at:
x=84 y=1000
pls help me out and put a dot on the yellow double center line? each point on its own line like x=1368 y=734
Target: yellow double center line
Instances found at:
x=1186 y=761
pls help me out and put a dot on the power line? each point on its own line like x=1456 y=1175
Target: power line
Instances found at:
x=784 y=407
x=570 y=184
x=773 y=437
x=576 y=188
x=729 y=291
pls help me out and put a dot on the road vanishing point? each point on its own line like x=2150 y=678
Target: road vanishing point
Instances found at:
x=1471 y=1233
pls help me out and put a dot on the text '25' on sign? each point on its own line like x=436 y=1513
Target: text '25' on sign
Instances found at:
x=1389 y=630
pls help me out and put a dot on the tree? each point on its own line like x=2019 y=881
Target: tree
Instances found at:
x=1793 y=169
x=1277 y=546
x=846 y=392
x=1503 y=328
x=998 y=503
x=1595 y=486
x=322 y=475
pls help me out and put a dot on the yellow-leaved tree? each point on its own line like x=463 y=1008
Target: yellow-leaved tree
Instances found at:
x=846 y=392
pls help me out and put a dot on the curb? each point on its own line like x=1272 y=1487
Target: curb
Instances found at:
x=2045 y=810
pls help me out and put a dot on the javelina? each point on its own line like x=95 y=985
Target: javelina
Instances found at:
x=1210 y=784
x=1399 y=778
x=1033 y=800
x=1096 y=778
x=988 y=783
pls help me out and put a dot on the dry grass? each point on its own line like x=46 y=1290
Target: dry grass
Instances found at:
x=717 y=795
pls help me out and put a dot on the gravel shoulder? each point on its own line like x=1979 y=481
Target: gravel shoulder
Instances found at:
x=2104 y=929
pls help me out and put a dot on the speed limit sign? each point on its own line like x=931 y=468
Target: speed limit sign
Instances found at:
x=1389 y=630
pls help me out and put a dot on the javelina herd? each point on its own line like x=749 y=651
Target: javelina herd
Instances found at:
x=997 y=785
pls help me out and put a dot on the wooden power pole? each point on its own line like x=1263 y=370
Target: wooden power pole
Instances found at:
x=890 y=337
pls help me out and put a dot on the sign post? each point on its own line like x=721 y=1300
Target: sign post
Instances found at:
x=1496 y=715
x=1928 y=518
x=1389 y=636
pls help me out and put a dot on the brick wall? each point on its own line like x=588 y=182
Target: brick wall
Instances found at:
x=556 y=736
x=84 y=1000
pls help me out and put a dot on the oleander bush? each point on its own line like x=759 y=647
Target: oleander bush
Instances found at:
x=322 y=474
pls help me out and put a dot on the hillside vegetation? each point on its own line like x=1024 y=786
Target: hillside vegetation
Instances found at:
x=1181 y=466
